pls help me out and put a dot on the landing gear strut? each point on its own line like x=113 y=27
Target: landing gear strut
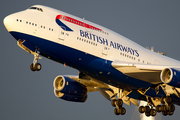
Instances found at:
x=35 y=66
x=118 y=103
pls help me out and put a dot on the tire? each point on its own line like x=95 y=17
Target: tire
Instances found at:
x=164 y=113
x=122 y=110
x=147 y=114
x=153 y=112
x=168 y=99
x=171 y=108
x=147 y=109
x=170 y=113
x=38 y=66
x=32 y=67
x=116 y=111
x=162 y=99
x=141 y=109
x=158 y=108
x=119 y=102
x=113 y=102
x=164 y=108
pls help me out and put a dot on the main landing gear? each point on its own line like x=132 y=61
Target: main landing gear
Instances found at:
x=35 y=66
x=166 y=108
x=118 y=104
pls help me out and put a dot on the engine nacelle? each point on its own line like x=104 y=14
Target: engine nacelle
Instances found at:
x=171 y=76
x=68 y=86
x=73 y=98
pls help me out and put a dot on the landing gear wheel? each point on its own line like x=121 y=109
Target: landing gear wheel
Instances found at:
x=32 y=67
x=170 y=113
x=116 y=111
x=164 y=113
x=168 y=99
x=113 y=102
x=122 y=110
x=158 y=108
x=141 y=109
x=147 y=109
x=171 y=108
x=119 y=102
x=164 y=108
x=153 y=112
x=147 y=114
x=162 y=99
x=38 y=66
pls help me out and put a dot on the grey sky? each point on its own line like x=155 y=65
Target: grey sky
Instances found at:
x=27 y=95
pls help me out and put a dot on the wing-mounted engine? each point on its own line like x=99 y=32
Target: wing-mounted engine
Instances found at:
x=171 y=76
x=69 y=89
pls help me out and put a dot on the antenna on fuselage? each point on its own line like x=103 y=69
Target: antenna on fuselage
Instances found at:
x=152 y=49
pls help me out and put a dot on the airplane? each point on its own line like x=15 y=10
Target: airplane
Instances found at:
x=120 y=69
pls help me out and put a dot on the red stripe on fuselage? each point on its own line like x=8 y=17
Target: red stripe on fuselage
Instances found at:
x=77 y=22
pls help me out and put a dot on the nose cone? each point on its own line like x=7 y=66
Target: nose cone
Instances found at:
x=8 y=22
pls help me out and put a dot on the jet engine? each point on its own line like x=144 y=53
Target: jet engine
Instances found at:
x=171 y=76
x=73 y=98
x=69 y=89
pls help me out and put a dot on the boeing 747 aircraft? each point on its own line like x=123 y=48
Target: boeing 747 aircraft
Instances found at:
x=120 y=69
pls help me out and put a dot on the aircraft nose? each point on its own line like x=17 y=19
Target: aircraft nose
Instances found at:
x=8 y=22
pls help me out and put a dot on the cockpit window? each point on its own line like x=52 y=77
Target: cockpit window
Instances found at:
x=36 y=8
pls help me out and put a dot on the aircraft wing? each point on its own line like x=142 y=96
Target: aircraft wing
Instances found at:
x=108 y=91
x=146 y=72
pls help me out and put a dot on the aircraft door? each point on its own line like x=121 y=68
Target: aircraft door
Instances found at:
x=105 y=50
x=61 y=35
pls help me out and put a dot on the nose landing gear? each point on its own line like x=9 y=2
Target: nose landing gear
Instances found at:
x=35 y=66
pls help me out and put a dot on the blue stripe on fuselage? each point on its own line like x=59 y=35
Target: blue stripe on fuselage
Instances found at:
x=63 y=26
